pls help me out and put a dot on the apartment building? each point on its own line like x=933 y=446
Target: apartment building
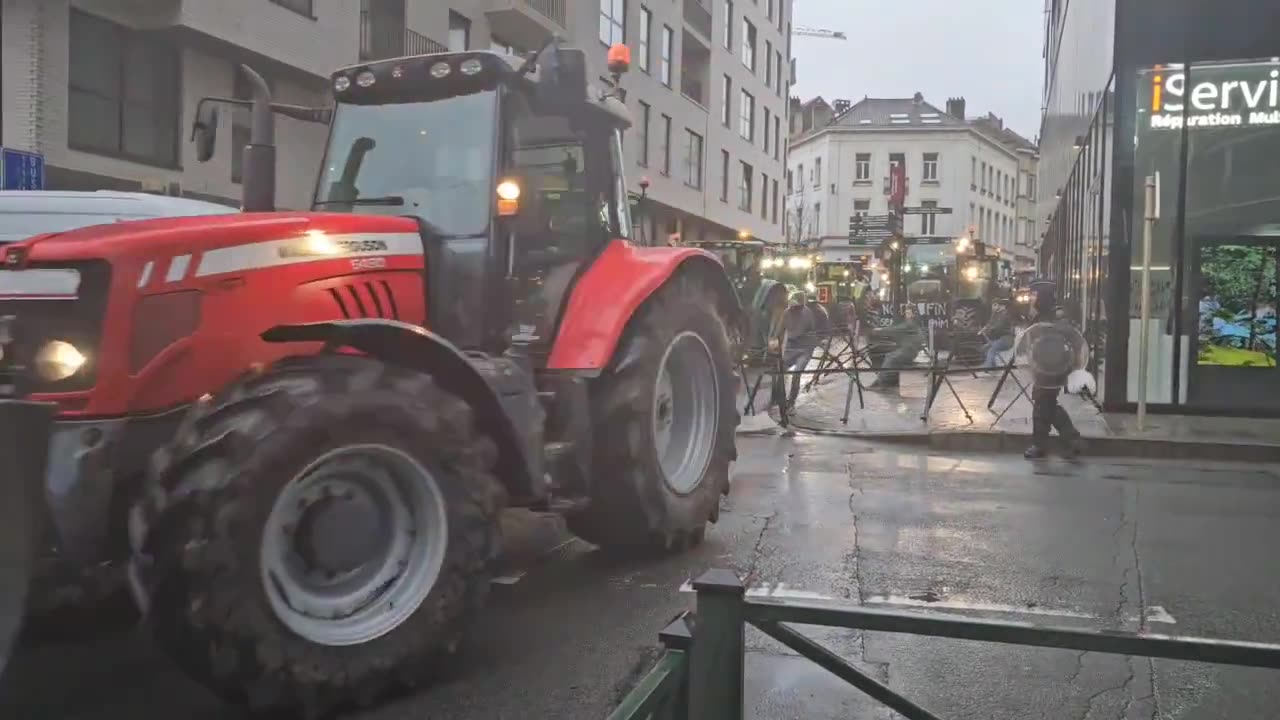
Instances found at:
x=106 y=89
x=976 y=174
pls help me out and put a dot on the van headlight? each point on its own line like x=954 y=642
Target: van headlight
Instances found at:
x=58 y=360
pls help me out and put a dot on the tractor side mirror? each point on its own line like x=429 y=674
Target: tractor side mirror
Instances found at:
x=204 y=131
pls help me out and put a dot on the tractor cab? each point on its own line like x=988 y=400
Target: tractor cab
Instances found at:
x=836 y=281
x=742 y=259
x=512 y=168
x=763 y=298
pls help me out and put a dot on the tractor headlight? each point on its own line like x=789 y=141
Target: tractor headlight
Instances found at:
x=58 y=360
x=810 y=287
x=971 y=272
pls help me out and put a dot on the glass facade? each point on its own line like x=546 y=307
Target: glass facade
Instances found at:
x=1190 y=97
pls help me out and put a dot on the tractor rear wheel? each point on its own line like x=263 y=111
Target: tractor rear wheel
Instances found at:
x=325 y=531
x=666 y=418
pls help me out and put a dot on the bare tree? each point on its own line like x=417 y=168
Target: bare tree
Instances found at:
x=800 y=226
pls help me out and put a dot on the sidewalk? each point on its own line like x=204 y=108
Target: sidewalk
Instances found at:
x=894 y=416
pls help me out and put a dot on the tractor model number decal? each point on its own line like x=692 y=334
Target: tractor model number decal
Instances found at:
x=375 y=263
x=328 y=248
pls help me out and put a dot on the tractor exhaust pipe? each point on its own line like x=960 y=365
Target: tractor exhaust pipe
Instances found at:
x=259 y=182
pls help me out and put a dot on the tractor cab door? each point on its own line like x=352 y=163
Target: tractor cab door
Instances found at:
x=571 y=204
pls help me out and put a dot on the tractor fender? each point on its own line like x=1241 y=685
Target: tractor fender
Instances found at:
x=613 y=288
x=416 y=348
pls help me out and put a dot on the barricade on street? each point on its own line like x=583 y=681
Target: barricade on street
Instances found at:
x=701 y=673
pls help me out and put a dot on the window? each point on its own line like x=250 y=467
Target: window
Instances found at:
x=724 y=176
x=862 y=168
x=728 y=24
x=777 y=137
x=665 y=148
x=693 y=159
x=123 y=92
x=817 y=172
x=991 y=182
x=778 y=80
x=764 y=196
x=646 y=22
x=643 y=155
x=800 y=175
x=790 y=188
x=775 y=201
x=928 y=223
x=747 y=117
x=665 y=67
x=459 y=32
x=896 y=159
x=930 y=169
x=1031 y=186
x=767 y=123
x=302 y=7
x=973 y=173
x=768 y=64
x=726 y=101
x=983 y=176
x=240 y=129
x=817 y=220
x=861 y=208
x=748 y=44
x=970 y=213
x=782 y=4
x=745 y=185
x=768 y=9
x=613 y=21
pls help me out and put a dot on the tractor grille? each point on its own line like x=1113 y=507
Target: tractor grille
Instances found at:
x=78 y=322
x=369 y=299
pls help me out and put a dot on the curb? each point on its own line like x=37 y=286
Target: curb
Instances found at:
x=1004 y=442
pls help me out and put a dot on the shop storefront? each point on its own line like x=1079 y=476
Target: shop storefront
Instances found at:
x=1191 y=100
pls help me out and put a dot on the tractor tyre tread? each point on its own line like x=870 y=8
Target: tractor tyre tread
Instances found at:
x=206 y=500
x=632 y=508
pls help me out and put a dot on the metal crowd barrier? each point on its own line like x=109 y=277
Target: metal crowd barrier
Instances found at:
x=701 y=673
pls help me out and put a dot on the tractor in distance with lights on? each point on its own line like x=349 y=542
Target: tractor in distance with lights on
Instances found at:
x=342 y=401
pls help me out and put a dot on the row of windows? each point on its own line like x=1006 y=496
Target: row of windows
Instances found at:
x=862 y=170
x=772 y=139
x=749 y=43
x=1004 y=187
x=692 y=152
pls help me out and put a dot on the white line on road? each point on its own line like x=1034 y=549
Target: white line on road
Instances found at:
x=1154 y=614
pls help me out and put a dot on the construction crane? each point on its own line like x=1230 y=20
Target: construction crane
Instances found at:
x=819 y=32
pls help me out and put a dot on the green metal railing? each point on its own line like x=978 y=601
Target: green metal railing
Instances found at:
x=712 y=650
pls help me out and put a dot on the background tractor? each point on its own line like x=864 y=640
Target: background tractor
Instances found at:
x=342 y=401
x=763 y=300
x=951 y=284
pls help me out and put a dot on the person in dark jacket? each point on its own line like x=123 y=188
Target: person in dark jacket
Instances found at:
x=998 y=332
x=908 y=340
x=1056 y=349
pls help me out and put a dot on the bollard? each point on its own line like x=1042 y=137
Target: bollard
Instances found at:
x=717 y=666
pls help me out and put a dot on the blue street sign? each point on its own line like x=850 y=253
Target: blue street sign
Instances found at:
x=21 y=170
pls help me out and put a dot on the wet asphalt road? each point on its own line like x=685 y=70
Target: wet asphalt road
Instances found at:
x=1184 y=549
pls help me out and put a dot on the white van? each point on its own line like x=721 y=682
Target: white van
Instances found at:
x=24 y=213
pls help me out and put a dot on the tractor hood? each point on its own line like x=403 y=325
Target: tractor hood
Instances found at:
x=160 y=237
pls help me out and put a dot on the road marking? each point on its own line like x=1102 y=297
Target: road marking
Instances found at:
x=896 y=600
x=1154 y=613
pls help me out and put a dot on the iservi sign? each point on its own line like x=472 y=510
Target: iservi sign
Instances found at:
x=1212 y=96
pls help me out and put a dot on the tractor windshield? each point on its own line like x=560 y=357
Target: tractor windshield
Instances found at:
x=431 y=159
x=977 y=279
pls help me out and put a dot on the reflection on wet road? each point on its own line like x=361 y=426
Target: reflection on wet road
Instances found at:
x=1175 y=548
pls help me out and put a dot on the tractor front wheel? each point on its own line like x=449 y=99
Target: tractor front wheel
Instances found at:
x=323 y=531
x=666 y=416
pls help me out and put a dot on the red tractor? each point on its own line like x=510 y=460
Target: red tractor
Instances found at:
x=337 y=404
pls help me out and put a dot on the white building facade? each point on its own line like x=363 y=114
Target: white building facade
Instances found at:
x=979 y=176
x=106 y=89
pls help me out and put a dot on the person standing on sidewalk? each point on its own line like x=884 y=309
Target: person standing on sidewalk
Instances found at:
x=1054 y=349
x=998 y=332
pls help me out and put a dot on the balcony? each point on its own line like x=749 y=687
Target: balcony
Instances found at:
x=527 y=23
x=698 y=16
x=384 y=40
x=695 y=70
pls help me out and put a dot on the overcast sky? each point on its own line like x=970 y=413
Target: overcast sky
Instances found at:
x=941 y=48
